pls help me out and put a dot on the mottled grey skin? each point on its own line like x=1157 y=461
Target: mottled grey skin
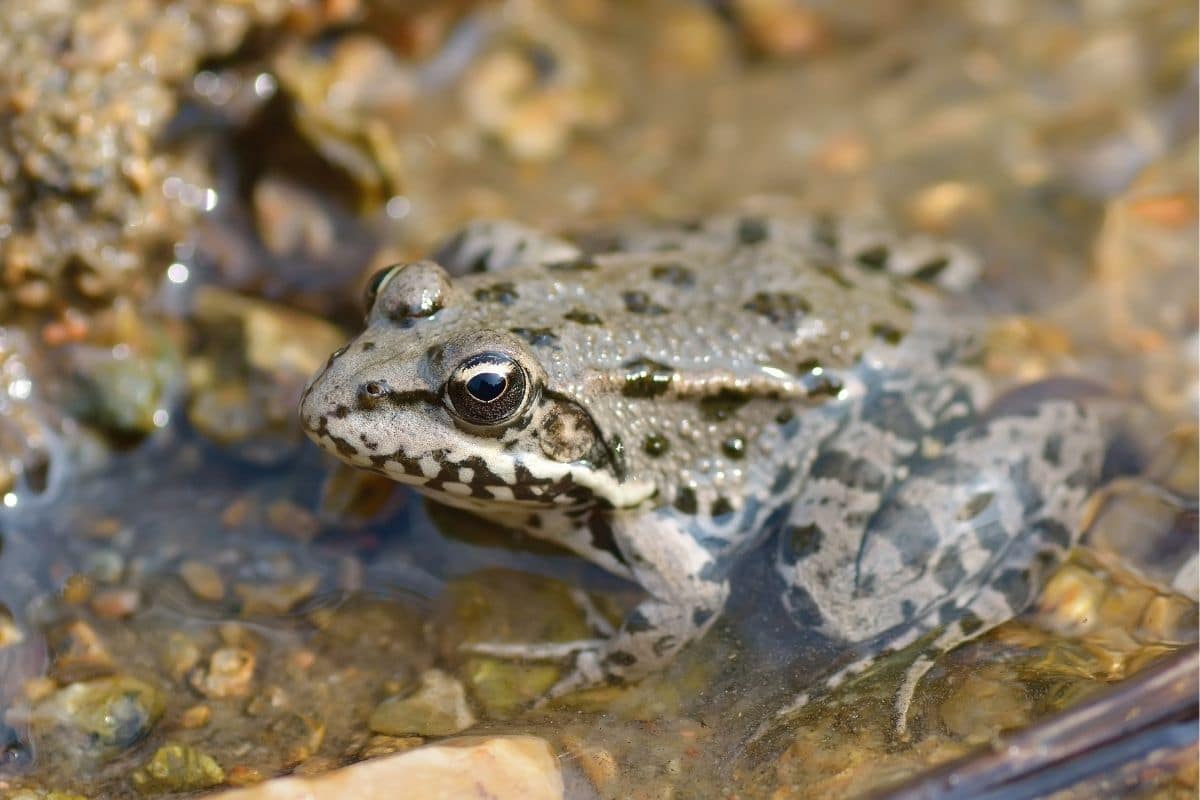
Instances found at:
x=692 y=391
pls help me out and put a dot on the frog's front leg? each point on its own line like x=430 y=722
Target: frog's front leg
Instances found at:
x=686 y=596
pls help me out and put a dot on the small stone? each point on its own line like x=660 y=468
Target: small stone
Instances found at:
x=77 y=589
x=437 y=708
x=273 y=599
x=499 y=768
x=79 y=653
x=202 y=580
x=196 y=716
x=179 y=654
x=236 y=513
x=229 y=674
x=116 y=603
x=96 y=720
x=37 y=689
x=382 y=745
x=241 y=775
x=293 y=520
x=1070 y=603
x=177 y=768
x=105 y=566
x=10 y=633
x=597 y=763
x=984 y=705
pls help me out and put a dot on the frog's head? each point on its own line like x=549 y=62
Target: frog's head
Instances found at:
x=429 y=395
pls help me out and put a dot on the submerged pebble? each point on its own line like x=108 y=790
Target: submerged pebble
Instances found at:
x=438 y=707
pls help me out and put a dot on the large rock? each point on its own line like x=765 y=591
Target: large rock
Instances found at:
x=499 y=768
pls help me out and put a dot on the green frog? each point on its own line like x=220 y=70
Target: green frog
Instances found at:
x=667 y=398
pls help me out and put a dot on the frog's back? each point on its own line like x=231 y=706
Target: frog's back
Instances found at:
x=714 y=356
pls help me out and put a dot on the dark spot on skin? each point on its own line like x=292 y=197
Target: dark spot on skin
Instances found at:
x=808 y=365
x=889 y=333
x=846 y=469
x=701 y=615
x=723 y=405
x=616 y=450
x=822 y=384
x=889 y=411
x=907 y=609
x=783 y=480
x=1054 y=533
x=969 y=624
x=646 y=378
x=1052 y=451
x=367 y=347
x=1014 y=585
x=544 y=62
x=640 y=303
x=664 y=645
x=534 y=521
x=636 y=622
x=873 y=258
x=572 y=265
x=504 y=293
x=785 y=416
x=803 y=540
x=975 y=506
x=782 y=308
x=721 y=506
x=751 y=230
x=655 y=445
x=931 y=270
x=341 y=411
x=901 y=300
x=582 y=317
x=949 y=571
x=674 y=274
x=825 y=231
x=621 y=658
x=685 y=500
x=834 y=274
x=734 y=447
x=803 y=607
x=538 y=337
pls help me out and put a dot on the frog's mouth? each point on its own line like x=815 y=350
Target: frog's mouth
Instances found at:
x=409 y=443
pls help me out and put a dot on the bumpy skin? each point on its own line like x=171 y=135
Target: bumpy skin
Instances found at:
x=689 y=392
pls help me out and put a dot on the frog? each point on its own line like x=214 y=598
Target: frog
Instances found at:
x=665 y=398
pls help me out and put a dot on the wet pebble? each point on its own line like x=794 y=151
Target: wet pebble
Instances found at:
x=177 y=768
x=437 y=708
x=229 y=674
x=499 y=768
x=202 y=580
x=115 y=603
x=96 y=720
x=78 y=653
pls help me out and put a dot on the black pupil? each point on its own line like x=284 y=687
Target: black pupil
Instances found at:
x=487 y=386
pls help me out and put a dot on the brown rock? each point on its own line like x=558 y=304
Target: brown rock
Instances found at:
x=499 y=768
x=229 y=673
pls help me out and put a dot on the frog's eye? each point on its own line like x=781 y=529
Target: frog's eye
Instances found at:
x=487 y=389
x=376 y=284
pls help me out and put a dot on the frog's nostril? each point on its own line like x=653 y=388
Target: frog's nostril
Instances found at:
x=371 y=392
